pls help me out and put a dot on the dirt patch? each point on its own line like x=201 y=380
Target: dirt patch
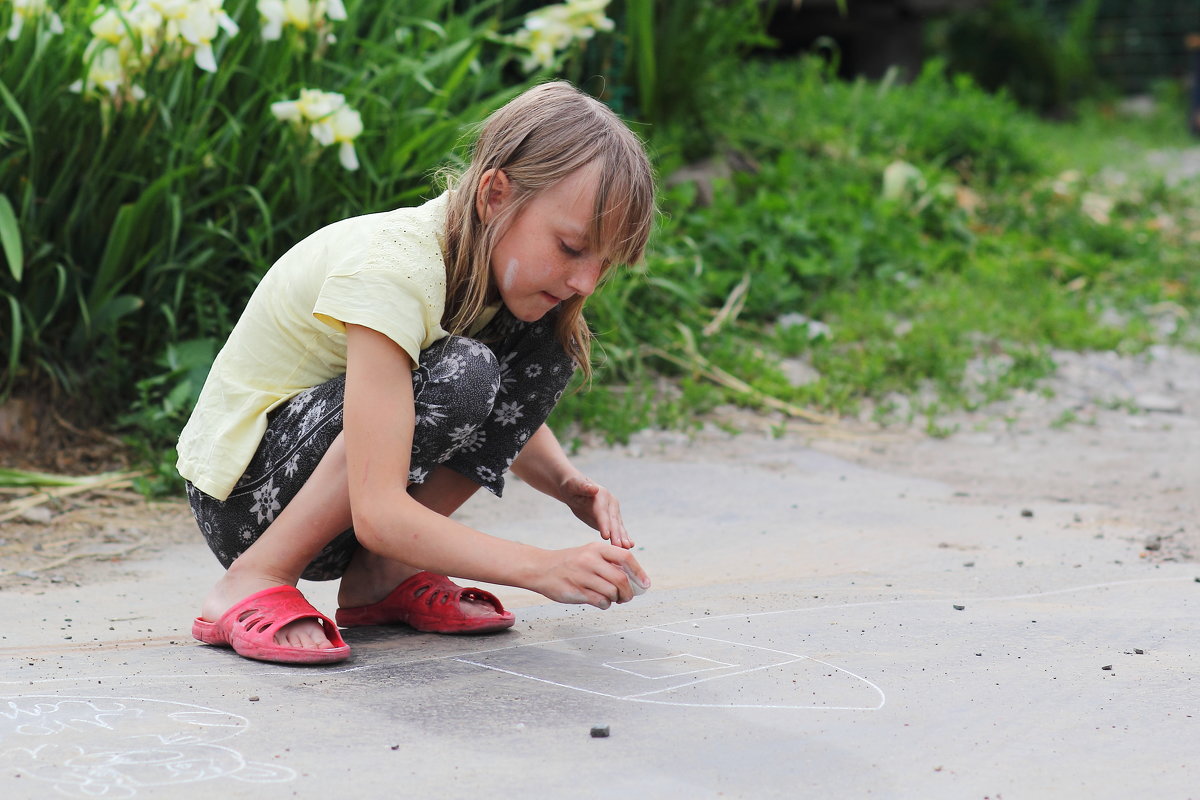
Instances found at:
x=1118 y=433
x=87 y=538
x=36 y=435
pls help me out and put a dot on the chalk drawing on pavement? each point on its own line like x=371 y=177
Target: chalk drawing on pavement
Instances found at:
x=116 y=746
x=666 y=667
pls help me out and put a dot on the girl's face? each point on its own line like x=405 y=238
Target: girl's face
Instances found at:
x=543 y=258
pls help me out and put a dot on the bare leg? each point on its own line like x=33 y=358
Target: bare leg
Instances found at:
x=315 y=516
x=369 y=578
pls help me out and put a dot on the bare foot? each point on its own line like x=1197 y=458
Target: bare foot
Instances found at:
x=234 y=587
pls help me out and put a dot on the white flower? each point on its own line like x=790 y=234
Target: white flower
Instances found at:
x=417 y=475
x=166 y=30
x=312 y=416
x=105 y=71
x=331 y=121
x=552 y=29
x=108 y=26
x=300 y=14
x=476 y=347
x=171 y=9
x=266 y=502
x=507 y=378
x=148 y=23
x=347 y=125
x=509 y=413
x=316 y=105
x=336 y=10
x=429 y=414
x=198 y=29
x=274 y=15
x=29 y=10
x=462 y=433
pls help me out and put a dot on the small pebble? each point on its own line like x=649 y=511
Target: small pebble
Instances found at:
x=1026 y=512
x=395 y=747
x=959 y=608
x=1139 y=651
x=599 y=731
x=254 y=698
x=1107 y=666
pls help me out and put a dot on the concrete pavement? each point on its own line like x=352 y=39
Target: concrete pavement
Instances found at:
x=815 y=628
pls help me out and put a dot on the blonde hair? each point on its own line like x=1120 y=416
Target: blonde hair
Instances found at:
x=539 y=138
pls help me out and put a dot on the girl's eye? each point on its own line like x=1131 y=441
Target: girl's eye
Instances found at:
x=571 y=251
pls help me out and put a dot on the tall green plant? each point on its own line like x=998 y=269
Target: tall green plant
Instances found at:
x=667 y=58
x=126 y=224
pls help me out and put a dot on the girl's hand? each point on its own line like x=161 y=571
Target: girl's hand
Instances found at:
x=597 y=507
x=595 y=573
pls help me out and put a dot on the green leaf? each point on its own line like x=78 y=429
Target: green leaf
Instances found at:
x=19 y=113
x=14 y=346
x=10 y=239
x=124 y=250
x=105 y=317
x=14 y=478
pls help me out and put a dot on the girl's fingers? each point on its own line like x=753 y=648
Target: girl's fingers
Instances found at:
x=625 y=560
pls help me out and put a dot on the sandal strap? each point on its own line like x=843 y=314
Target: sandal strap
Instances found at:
x=435 y=586
x=259 y=616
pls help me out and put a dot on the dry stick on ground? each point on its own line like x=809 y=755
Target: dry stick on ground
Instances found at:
x=14 y=508
x=719 y=376
x=733 y=306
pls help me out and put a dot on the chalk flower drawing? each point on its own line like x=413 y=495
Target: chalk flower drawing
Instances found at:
x=116 y=747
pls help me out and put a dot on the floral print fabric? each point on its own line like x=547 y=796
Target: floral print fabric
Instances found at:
x=477 y=402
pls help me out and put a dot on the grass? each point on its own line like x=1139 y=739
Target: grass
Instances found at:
x=1009 y=240
x=946 y=241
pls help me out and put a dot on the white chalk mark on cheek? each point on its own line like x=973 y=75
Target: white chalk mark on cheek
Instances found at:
x=509 y=277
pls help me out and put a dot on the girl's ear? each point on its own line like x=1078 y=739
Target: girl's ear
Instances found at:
x=494 y=191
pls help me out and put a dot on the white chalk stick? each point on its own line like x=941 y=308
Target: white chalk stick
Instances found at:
x=633 y=582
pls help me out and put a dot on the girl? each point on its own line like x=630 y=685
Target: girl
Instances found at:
x=388 y=366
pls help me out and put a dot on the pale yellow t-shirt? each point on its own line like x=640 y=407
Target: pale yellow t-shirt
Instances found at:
x=383 y=271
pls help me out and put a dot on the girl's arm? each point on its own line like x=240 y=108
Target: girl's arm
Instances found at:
x=544 y=465
x=379 y=421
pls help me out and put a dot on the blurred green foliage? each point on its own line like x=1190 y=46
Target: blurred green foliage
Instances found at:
x=1010 y=238
x=887 y=236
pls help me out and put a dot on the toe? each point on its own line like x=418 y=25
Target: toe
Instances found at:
x=304 y=633
x=474 y=607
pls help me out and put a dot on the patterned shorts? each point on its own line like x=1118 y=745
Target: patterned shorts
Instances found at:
x=477 y=405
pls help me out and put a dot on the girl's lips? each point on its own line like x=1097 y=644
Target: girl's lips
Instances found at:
x=551 y=298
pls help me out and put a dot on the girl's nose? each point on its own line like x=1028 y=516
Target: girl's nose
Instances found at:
x=583 y=280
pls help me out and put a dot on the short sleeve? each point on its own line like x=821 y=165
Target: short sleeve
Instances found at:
x=384 y=300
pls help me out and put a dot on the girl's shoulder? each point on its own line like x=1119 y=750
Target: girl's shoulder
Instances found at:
x=409 y=238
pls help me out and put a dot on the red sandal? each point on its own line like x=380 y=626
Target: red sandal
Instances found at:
x=250 y=626
x=429 y=602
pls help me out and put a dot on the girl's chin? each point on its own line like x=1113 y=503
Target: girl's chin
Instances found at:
x=529 y=314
